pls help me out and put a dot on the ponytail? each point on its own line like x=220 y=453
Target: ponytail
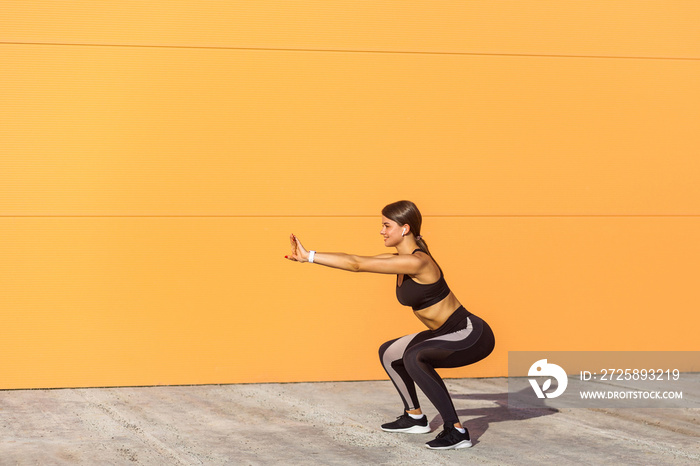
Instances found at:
x=423 y=245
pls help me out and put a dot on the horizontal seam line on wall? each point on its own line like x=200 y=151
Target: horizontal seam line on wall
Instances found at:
x=485 y=54
x=364 y=216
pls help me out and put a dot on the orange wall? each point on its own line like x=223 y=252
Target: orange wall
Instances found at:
x=155 y=155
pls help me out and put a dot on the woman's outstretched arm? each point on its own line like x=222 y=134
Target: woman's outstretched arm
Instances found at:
x=384 y=263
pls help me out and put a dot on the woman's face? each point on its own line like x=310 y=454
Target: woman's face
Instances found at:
x=392 y=232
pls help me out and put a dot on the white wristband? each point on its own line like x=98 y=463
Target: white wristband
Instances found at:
x=311 y=256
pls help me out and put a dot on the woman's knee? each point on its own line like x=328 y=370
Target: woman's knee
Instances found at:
x=384 y=347
x=414 y=360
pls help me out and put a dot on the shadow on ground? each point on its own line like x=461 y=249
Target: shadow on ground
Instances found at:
x=478 y=420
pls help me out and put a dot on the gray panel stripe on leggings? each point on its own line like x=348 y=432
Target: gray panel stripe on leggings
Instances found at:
x=456 y=336
x=398 y=348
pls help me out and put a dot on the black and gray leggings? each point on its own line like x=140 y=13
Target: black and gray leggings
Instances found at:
x=462 y=340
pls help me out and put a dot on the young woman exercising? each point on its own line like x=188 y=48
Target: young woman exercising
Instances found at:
x=454 y=338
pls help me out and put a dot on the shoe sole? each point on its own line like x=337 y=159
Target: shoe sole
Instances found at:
x=456 y=446
x=410 y=430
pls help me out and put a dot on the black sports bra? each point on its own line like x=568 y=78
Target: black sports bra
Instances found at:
x=418 y=295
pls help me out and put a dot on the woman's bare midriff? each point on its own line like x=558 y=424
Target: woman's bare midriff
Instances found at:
x=434 y=316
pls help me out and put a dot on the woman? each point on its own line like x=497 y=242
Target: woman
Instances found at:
x=454 y=338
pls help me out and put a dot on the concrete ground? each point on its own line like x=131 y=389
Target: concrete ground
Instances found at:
x=326 y=423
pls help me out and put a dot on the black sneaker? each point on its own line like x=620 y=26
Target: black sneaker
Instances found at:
x=450 y=439
x=408 y=425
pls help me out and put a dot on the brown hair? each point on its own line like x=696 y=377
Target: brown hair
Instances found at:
x=406 y=213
